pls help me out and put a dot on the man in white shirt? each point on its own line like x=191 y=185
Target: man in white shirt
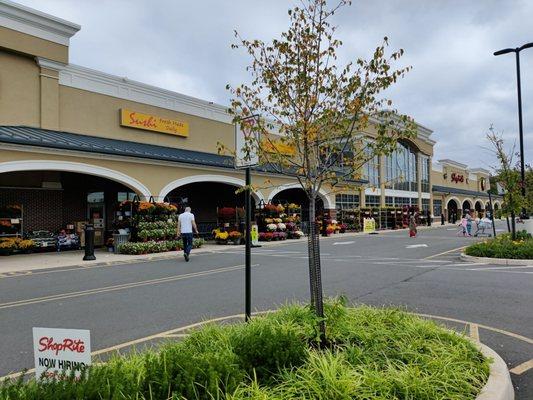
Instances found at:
x=186 y=226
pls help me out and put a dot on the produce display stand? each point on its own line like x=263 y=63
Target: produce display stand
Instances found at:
x=11 y=221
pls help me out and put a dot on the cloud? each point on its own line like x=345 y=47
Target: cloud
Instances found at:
x=456 y=88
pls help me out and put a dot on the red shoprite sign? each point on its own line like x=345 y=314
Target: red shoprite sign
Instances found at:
x=60 y=352
x=457 y=178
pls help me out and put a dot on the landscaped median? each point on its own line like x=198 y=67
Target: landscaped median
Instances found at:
x=368 y=353
x=503 y=250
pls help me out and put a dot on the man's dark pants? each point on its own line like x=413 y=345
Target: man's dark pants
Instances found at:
x=187 y=242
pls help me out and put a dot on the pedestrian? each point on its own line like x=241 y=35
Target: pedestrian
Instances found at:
x=428 y=213
x=442 y=218
x=186 y=227
x=412 y=226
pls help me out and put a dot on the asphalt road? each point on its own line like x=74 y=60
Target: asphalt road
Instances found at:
x=121 y=303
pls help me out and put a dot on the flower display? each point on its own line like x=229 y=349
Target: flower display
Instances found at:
x=265 y=236
x=282 y=226
x=145 y=207
x=220 y=235
x=226 y=213
x=277 y=220
x=268 y=220
x=272 y=227
x=233 y=235
x=298 y=233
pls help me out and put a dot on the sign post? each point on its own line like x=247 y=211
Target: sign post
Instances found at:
x=60 y=352
x=246 y=157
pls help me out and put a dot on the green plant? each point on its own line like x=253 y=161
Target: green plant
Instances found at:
x=503 y=247
x=372 y=354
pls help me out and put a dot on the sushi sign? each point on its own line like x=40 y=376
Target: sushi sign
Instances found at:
x=61 y=352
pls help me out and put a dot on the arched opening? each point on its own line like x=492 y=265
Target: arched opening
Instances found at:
x=206 y=198
x=467 y=206
x=298 y=196
x=479 y=208
x=452 y=208
x=496 y=206
x=56 y=200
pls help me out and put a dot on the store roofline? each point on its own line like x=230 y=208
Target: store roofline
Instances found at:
x=450 y=190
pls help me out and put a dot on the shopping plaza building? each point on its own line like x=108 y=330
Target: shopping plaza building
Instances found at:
x=74 y=142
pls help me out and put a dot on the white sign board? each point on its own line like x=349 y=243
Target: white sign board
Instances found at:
x=245 y=147
x=59 y=351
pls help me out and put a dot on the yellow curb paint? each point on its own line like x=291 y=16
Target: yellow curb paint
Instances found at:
x=119 y=287
x=520 y=369
x=474 y=332
x=444 y=252
x=489 y=328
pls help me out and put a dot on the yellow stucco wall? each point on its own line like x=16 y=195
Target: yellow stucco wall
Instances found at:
x=33 y=46
x=19 y=90
x=98 y=115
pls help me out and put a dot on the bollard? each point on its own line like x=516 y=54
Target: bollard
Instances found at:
x=89 y=243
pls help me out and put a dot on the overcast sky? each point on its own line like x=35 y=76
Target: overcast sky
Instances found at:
x=457 y=87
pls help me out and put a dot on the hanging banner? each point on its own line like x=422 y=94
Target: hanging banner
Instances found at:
x=369 y=225
x=60 y=351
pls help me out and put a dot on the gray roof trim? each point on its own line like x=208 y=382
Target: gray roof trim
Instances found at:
x=445 y=189
x=29 y=136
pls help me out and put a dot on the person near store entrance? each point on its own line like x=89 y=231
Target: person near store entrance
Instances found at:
x=186 y=227
x=412 y=226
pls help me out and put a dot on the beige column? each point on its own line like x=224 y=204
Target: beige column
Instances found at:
x=419 y=179
x=362 y=197
x=49 y=96
x=382 y=178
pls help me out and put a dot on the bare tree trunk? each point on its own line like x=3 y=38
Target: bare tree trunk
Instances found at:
x=315 y=270
x=513 y=226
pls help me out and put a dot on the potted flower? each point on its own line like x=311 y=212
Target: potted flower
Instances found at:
x=282 y=227
x=342 y=228
x=271 y=209
x=271 y=227
x=235 y=237
x=221 y=236
x=26 y=246
x=7 y=246
x=110 y=244
x=265 y=236
x=226 y=213
x=329 y=230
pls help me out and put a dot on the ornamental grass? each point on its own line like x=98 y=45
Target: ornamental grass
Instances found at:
x=368 y=353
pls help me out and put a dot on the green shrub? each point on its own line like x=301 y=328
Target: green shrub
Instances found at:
x=372 y=354
x=265 y=346
x=503 y=247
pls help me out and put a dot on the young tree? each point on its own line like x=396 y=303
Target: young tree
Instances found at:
x=312 y=112
x=508 y=177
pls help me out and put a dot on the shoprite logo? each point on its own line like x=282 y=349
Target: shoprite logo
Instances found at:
x=457 y=178
x=134 y=119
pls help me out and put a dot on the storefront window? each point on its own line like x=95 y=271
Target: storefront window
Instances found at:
x=95 y=197
x=346 y=201
x=400 y=169
x=123 y=196
x=402 y=201
x=425 y=168
x=437 y=207
x=425 y=204
x=389 y=201
x=372 y=201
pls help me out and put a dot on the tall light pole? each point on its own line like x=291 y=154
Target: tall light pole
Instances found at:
x=521 y=132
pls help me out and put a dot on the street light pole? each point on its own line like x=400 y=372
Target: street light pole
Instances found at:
x=520 y=127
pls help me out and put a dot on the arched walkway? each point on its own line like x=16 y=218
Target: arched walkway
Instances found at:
x=328 y=202
x=467 y=205
x=479 y=207
x=452 y=207
x=257 y=195
x=68 y=166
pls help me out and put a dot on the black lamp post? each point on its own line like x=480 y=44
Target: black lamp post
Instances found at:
x=522 y=168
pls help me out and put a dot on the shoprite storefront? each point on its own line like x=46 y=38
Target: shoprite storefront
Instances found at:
x=76 y=143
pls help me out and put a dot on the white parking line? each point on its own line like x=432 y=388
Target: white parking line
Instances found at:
x=339 y=243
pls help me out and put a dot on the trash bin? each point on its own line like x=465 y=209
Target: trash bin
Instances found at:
x=118 y=239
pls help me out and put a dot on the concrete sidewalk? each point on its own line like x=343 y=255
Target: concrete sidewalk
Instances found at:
x=18 y=264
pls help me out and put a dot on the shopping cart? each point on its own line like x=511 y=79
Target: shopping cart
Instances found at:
x=484 y=227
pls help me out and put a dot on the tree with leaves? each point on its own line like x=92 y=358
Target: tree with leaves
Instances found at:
x=507 y=175
x=312 y=113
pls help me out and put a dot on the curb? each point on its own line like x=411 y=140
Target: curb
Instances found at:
x=497 y=261
x=499 y=385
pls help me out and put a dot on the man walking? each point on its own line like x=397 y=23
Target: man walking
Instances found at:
x=186 y=226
